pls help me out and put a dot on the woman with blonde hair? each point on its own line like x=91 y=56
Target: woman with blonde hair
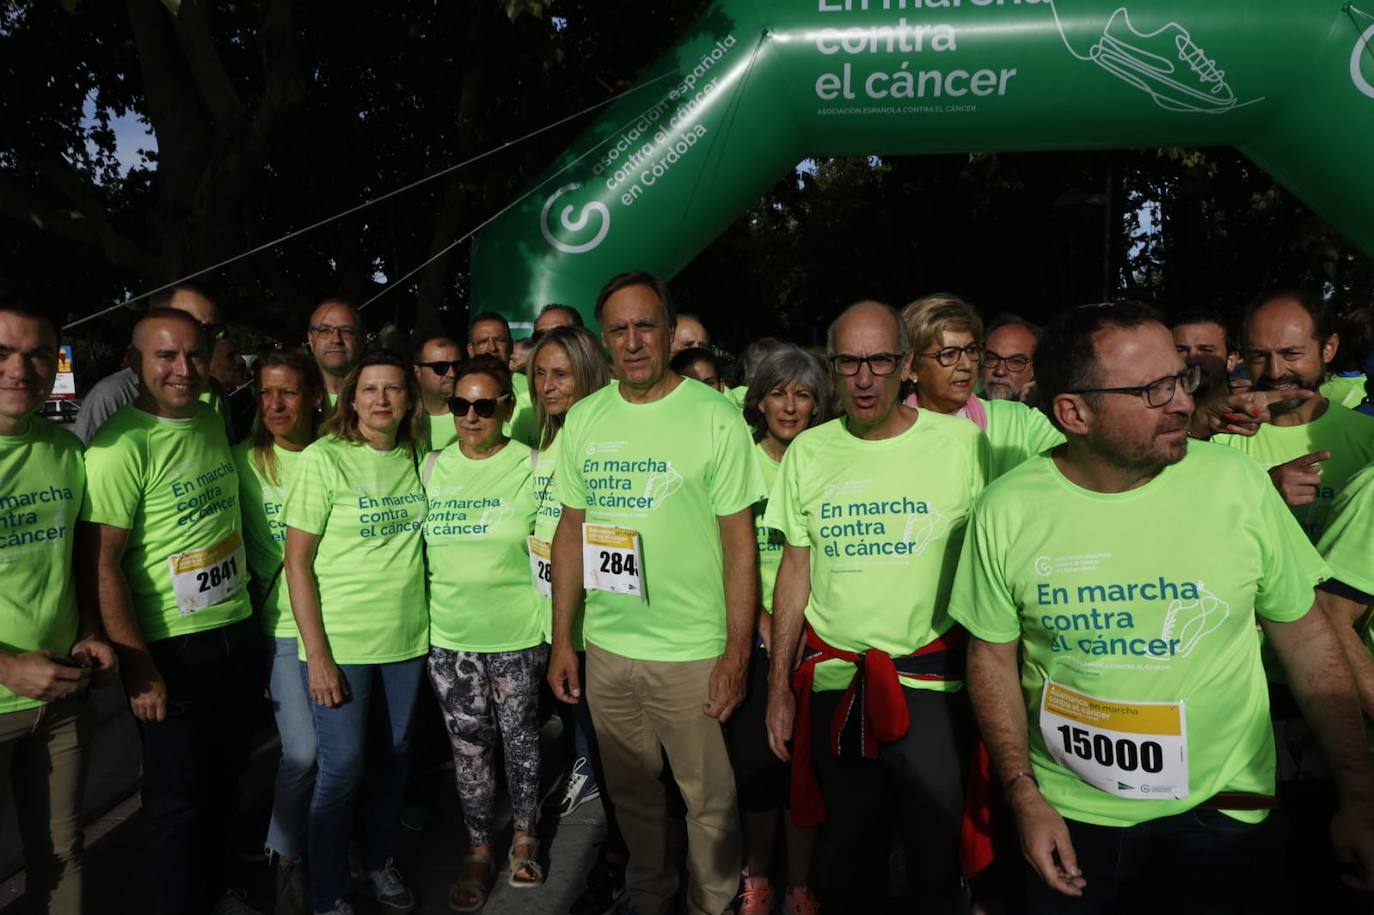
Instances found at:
x=290 y=397
x=946 y=337
x=565 y=365
x=356 y=573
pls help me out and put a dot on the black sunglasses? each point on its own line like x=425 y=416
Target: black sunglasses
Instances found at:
x=485 y=406
x=441 y=367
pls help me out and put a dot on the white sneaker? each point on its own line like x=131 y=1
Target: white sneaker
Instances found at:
x=340 y=908
x=233 y=902
x=385 y=886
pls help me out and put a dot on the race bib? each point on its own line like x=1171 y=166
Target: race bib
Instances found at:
x=541 y=566
x=1134 y=750
x=209 y=576
x=612 y=560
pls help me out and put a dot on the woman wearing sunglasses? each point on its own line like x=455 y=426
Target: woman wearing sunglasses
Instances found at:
x=356 y=573
x=290 y=392
x=565 y=365
x=945 y=335
x=487 y=652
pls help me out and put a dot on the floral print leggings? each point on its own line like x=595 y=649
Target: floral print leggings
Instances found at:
x=479 y=694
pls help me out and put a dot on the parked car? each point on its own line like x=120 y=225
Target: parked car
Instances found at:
x=61 y=411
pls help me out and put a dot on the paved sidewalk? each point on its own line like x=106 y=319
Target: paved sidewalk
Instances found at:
x=430 y=860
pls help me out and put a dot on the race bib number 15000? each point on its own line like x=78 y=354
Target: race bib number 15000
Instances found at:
x=1134 y=750
x=612 y=560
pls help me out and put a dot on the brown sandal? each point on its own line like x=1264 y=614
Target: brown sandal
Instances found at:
x=472 y=888
x=518 y=864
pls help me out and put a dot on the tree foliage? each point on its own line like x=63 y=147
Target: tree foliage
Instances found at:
x=271 y=114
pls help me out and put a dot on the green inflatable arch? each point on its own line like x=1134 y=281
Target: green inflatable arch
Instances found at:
x=758 y=85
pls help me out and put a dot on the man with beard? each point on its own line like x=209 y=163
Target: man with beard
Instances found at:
x=1006 y=371
x=1310 y=445
x=1113 y=666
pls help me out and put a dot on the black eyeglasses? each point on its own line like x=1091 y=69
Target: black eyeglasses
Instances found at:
x=485 y=406
x=1014 y=363
x=878 y=363
x=949 y=355
x=347 y=331
x=440 y=367
x=1156 y=393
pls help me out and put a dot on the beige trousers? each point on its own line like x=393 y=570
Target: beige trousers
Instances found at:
x=641 y=709
x=42 y=755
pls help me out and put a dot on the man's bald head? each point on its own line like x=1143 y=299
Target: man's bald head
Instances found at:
x=335 y=338
x=877 y=320
x=155 y=319
x=338 y=312
x=169 y=354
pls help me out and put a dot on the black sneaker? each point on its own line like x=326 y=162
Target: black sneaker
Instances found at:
x=605 y=890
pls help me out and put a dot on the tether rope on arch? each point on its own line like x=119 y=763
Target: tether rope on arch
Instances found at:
x=296 y=233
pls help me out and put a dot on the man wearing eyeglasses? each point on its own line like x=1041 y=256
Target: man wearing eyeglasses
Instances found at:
x=1007 y=371
x=872 y=507
x=335 y=338
x=436 y=367
x=1113 y=666
x=489 y=333
x=658 y=485
x=121 y=388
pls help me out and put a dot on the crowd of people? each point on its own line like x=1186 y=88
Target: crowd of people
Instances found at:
x=983 y=618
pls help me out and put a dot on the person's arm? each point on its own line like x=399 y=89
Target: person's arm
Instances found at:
x=1343 y=612
x=91 y=649
x=741 y=570
x=1237 y=412
x=298 y=565
x=994 y=686
x=1325 y=691
x=103 y=558
x=563 y=675
x=791 y=592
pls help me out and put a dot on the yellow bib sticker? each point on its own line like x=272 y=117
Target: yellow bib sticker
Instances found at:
x=541 y=565
x=208 y=576
x=612 y=560
x=1135 y=750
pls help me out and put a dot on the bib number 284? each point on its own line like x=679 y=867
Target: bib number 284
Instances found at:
x=612 y=560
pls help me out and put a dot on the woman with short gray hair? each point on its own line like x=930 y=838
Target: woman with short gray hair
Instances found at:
x=789 y=393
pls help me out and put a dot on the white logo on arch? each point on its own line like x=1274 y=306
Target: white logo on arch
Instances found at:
x=569 y=223
x=1356 y=56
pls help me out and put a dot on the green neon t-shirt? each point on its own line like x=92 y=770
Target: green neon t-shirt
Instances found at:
x=42 y=483
x=442 y=432
x=171 y=483
x=523 y=426
x=884 y=521
x=264 y=535
x=480 y=514
x=547 y=512
x=1143 y=596
x=1347 y=544
x=1017 y=433
x=667 y=469
x=368 y=508
x=770 y=541
x=1348 y=390
x=1348 y=435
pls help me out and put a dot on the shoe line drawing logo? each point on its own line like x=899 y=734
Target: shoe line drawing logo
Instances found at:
x=1166 y=64
x=921 y=531
x=1192 y=621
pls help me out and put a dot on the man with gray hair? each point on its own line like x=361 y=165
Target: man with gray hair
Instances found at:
x=874 y=720
x=1007 y=371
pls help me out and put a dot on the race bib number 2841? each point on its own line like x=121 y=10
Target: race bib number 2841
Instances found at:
x=205 y=577
x=1135 y=750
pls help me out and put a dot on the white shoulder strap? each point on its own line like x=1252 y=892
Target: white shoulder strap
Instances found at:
x=428 y=470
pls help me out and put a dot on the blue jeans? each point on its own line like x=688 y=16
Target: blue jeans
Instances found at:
x=369 y=732
x=1201 y=862
x=296 y=772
